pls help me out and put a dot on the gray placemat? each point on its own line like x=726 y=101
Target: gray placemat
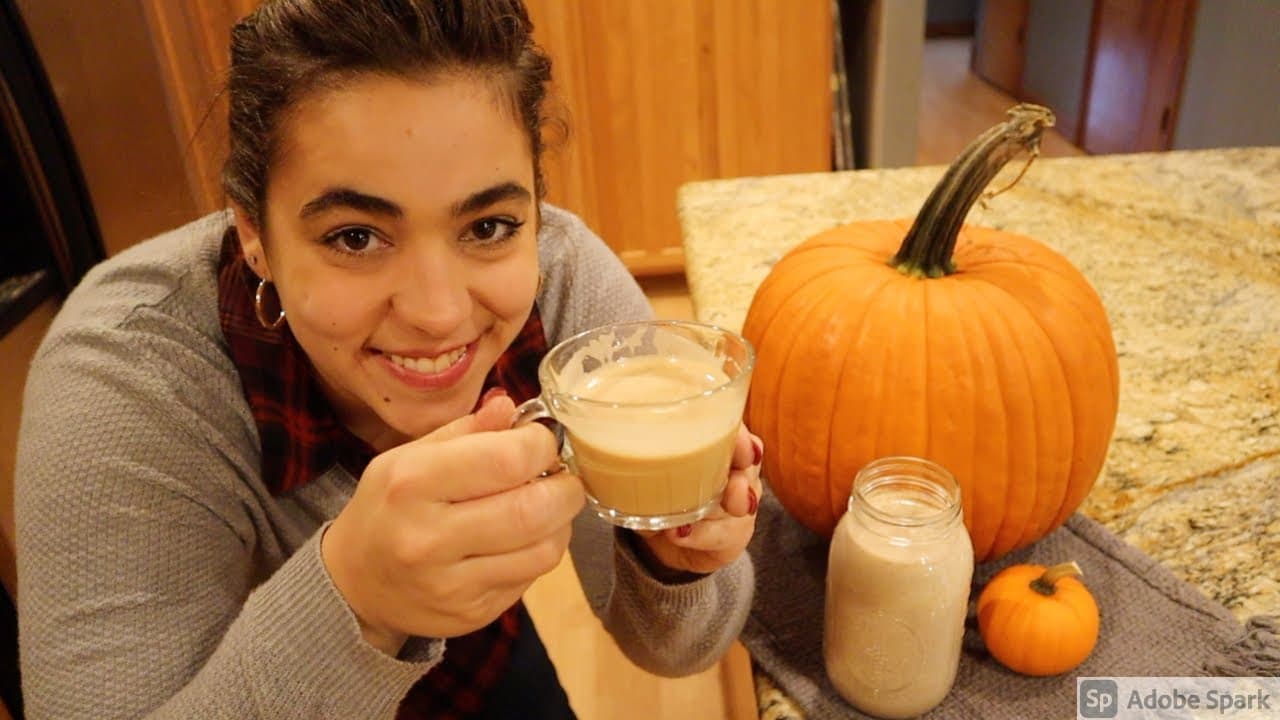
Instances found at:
x=1153 y=624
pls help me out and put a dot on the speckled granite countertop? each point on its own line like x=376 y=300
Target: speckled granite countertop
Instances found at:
x=1184 y=249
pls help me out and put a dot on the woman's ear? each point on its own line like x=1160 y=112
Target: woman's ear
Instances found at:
x=251 y=243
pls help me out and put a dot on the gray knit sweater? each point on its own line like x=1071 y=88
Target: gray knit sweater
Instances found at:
x=160 y=578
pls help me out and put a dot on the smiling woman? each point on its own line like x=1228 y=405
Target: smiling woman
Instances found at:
x=419 y=268
x=266 y=464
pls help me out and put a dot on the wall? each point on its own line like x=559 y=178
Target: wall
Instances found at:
x=884 y=48
x=16 y=350
x=1232 y=82
x=1057 y=52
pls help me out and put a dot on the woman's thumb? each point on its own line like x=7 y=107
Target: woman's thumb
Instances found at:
x=496 y=412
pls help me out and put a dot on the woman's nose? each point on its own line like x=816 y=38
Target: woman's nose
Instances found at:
x=433 y=295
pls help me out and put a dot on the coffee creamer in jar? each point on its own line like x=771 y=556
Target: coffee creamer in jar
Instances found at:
x=898 y=580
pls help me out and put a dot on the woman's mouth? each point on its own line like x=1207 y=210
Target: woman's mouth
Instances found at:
x=427 y=365
x=437 y=372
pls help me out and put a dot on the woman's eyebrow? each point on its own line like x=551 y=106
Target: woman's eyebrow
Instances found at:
x=348 y=198
x=489 y=196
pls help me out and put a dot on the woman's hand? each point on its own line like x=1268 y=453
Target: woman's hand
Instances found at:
x=718 y=539
x=446 y=532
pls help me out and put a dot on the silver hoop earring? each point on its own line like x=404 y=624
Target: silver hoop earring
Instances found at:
x=262 y=315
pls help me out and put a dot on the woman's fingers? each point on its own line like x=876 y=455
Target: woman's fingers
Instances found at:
x=748 y=450
x=742 y=492
x=743 y=498
x=515 y=518
x=703 y=547
x=736 y=500
x=464 y=468
x=518 y=567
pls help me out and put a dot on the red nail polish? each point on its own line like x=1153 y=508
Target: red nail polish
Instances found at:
x=492 y=393
x=753 y=502
x=757 y=452
x=684 y=531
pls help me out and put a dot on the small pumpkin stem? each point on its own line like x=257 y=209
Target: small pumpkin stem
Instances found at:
x=1047 y=582
x=928 y=247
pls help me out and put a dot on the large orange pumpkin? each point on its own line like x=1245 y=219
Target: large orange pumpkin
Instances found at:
x=984 y=351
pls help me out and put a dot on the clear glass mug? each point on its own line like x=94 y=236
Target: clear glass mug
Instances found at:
x=650 y=413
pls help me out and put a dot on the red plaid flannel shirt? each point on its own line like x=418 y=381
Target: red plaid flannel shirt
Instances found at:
x=301 y=438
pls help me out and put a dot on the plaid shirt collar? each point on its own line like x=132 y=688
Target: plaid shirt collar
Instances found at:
x=300 y=433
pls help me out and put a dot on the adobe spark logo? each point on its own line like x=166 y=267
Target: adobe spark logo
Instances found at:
x=1097 y=698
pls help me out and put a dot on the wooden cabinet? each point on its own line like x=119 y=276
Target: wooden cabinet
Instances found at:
x=661 y=92
x=191 y=41
x=655 y=93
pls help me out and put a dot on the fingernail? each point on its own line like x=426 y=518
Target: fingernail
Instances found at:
x=757 y=452
x=684 y=531
x=753 y=502
x=493 y=392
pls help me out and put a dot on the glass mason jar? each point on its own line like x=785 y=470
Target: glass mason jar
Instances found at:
x=898 y=578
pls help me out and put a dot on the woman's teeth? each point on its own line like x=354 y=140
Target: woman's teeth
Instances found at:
x=429 y=365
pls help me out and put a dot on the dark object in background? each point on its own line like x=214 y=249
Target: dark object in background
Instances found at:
x=50 y=235
x=10 y=680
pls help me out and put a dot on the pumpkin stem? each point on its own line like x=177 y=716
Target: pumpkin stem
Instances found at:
x=927 y=249
x=1047 y=582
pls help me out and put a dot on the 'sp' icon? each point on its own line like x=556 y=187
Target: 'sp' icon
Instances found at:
x=1097 y=698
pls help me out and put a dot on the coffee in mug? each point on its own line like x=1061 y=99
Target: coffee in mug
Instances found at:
x=651 y=412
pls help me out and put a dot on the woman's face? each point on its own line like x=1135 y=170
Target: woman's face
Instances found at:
x=400 y=233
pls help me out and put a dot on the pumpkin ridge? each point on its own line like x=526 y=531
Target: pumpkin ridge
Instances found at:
x=951 y=437
x=1079 y=287
x=1091 y=430
x=801 y=301
x=1047 y=395
x=793 y=286
x=1078 y=612
x=1061 y=342
x=848 y=354
x=1051 y=263
x=854 y=442
x=983 y=511
x=797 y=398
x=1093 y=425
x=853 y=431
x=1013 y=386
x=1032 y=485
x=901 y=413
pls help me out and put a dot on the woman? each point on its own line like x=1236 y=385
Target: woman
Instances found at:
x=266 y=467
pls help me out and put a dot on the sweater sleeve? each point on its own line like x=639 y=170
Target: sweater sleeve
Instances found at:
x=142 y=589
x=667 y=629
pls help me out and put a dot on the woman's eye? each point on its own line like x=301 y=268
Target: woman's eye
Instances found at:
x=353 y=240
x=491 y=231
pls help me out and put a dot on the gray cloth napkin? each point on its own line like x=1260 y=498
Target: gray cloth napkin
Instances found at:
x=1153 y=624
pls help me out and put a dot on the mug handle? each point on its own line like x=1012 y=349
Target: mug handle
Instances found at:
x=534 y=410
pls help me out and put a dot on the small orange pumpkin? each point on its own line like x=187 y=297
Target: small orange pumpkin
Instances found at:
x=1038 y=621
x=984 y=351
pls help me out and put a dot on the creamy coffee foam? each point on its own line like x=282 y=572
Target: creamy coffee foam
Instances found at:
x=646 y=460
